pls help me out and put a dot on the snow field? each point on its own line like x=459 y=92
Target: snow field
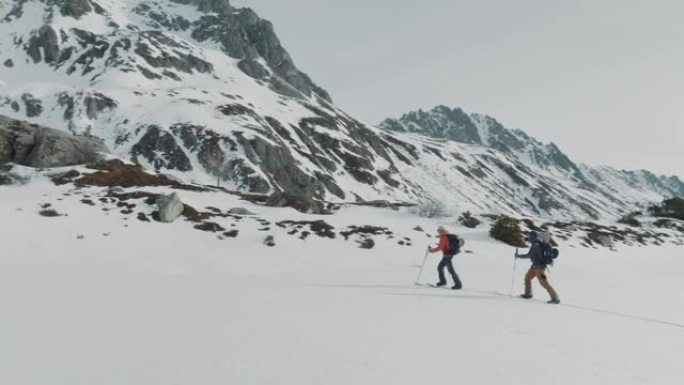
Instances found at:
x=165 y=304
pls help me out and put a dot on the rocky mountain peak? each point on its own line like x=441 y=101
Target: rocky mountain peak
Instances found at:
x=240 y=33
x=454 y=124
x=221 y=7
x=243 y=35
x=441 y=122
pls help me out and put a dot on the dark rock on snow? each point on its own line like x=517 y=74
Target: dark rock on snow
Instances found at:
x=50 y=213
x=269 y=241
x=231 y=234
x=210 y=227
x=367 y=243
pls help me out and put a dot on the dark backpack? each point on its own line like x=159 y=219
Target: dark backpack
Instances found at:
x=548 y=252
x=455 y=244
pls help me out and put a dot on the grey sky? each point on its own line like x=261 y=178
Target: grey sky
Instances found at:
x=604 y=79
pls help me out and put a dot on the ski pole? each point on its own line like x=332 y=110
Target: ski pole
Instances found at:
x=515 y=264
x=421 y=266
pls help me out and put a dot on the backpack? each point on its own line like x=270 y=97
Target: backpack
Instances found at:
x=455 y=244
x=548 y=252
x=544 y=236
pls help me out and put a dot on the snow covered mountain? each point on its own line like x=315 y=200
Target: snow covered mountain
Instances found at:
x=197 y=88
x=204 y=91
x=543 y=168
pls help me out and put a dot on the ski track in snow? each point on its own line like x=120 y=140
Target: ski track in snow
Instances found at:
x=162 y=303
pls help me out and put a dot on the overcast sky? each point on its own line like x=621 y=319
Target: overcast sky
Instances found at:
x=603 y=79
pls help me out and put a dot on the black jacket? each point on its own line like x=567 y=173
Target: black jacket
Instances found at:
x=535 y=254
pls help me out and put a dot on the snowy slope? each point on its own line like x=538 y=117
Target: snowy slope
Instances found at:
x=102 y=297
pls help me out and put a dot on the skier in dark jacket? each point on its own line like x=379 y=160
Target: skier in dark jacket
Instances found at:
x=448 y=253
x=537 y=270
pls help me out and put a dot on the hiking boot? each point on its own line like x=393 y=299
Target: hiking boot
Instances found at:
x=457 y=286
x=440 y=284
x=525 y=296
x=554 y=301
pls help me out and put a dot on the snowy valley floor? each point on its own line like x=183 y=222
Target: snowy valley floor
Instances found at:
x=152 y=303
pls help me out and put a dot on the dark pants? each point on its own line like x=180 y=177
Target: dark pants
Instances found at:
x=446 y=263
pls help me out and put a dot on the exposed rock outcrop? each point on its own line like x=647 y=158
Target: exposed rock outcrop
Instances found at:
x=42 y=147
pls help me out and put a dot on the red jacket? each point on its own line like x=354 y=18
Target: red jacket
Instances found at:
x=443 y=244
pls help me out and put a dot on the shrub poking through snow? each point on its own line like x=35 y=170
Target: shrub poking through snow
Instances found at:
x=669 y=208
x=468 y=220
x=431 y=209
x=507 y=230
x=66 y=177
x=116 y=173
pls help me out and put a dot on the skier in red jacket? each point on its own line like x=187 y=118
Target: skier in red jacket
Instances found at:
x=448 y=251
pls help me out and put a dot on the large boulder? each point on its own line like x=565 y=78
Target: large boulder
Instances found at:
x=170 y=207
x=42 y=147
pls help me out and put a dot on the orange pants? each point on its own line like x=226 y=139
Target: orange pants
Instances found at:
x=539 y=273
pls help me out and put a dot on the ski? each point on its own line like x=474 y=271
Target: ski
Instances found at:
x=494 y=293
x=522 y=299
x=433 y=286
